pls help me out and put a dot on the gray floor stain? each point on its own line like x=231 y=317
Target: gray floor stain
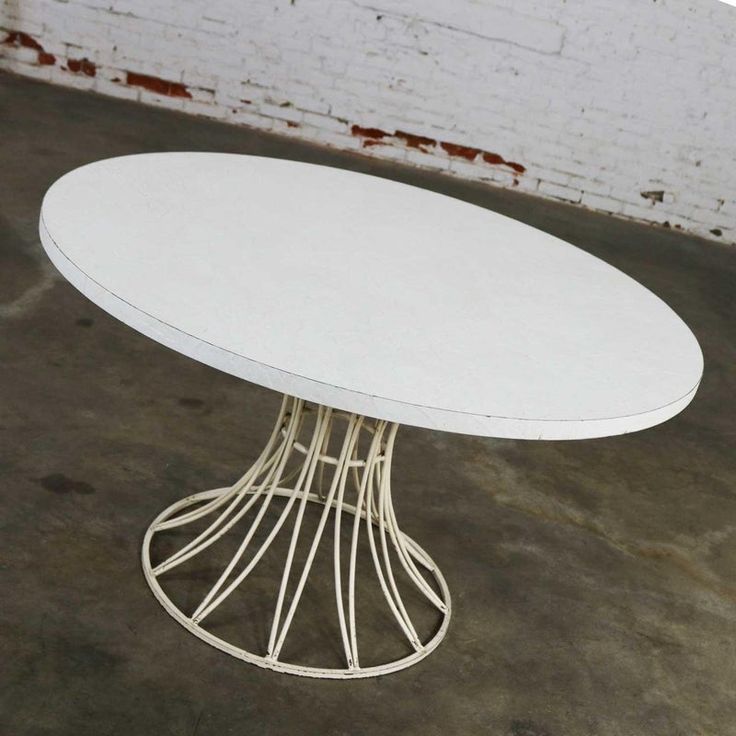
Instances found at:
x=191 y=403
x=59 y=483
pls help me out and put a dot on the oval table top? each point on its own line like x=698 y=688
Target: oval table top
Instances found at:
x=369 y=295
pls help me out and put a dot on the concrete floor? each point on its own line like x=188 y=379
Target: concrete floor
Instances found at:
x=594 y=582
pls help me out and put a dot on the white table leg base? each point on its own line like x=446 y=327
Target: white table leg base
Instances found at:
x=372 y=515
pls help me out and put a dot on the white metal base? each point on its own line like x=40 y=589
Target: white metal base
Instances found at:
x=286 y=460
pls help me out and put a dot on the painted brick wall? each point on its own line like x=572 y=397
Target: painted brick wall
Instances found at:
x=623 y=106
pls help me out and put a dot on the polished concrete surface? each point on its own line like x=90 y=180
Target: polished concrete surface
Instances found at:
x=593 y=582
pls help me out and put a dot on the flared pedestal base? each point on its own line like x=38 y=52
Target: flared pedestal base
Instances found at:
x=251 y=548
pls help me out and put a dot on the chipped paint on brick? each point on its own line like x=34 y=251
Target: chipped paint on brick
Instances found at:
x=19 y=38
x=373 y=133
x=465 y=152
x=376 y=136
x=157 y=85
x=82 y=66
x=495 y=160
x=416 y=141
x=405 y=73
x=655 y=196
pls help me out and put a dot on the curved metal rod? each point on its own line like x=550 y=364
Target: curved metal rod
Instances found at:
x=373 y=453
x=250 y=474
x=398 y=541
x=209 y=536
x=272 y=480
x=290 y=458
x=356 y=427
x=372 y=517
x=324 y=421
x=339 y=477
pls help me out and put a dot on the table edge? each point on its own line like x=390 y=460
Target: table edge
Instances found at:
x=446 y=420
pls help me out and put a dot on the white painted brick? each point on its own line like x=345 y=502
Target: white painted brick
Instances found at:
x=427 y=160
x=313 y=104
x=207 y=109
x=338 y=140
x=650 y=214
x=14 y=18
x=69 y=79
x=114 y=89
x=603 y=204
x=324 y=122
x=206 y=96
x=598 y=100
x=498 y=175
x=388 y=152
x=21 y=55
x=33 y=70
x=152 y=98
x=466 y=169
x=252 y=119
x=280 y=112
x=557 y=191
x=526 y=184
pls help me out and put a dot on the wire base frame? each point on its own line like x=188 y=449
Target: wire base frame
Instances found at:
x=293 y=469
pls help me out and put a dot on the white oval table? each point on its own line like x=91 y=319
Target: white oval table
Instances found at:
x=368 y=304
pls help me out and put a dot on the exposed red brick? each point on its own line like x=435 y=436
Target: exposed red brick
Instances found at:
x=18 y=38
x=462 y=151
x=375 y=136
x=368 y=132
x=496 y=160
x=493 y=158
x=157 y=85
x=292 y=124
x=82 y=66
x=415 y=141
